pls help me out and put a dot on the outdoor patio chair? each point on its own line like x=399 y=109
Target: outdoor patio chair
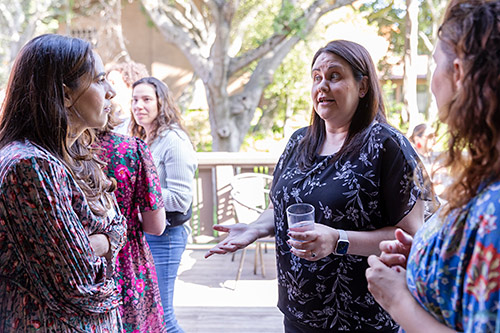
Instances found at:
x=250 y=195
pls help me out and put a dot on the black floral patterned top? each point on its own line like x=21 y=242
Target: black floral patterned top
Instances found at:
x=368 y=190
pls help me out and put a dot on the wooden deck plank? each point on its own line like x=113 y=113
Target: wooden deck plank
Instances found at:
x=208 y=300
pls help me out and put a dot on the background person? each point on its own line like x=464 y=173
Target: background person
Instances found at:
x=53 y=194
x=122 y=75
x=362 y=177
x=156 y=119
x=452 y=278
x=129 y=161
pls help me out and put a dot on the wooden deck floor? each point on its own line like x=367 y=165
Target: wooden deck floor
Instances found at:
x=207 y=299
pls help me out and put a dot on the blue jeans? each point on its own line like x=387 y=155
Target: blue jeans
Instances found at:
x=167 y=251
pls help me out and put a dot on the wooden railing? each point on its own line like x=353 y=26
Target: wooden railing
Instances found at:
x=212 y=202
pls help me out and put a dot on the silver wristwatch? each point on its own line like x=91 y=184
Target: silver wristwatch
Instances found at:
x=342 y=243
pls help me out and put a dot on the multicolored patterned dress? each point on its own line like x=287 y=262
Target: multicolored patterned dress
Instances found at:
x=50 y=279
x=454 y=265
x=130 y=163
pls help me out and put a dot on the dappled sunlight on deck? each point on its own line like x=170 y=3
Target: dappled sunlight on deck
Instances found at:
x=209 y=300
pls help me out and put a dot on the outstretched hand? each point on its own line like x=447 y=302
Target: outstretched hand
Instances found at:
x=240 y=235
x=396 y=252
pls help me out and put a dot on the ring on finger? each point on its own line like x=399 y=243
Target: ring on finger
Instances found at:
x=313 y=255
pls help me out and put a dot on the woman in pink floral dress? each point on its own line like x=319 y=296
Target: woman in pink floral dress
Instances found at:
x=139 y=197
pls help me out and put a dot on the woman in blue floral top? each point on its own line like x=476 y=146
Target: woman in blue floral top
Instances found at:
x=363 y=178
x=60 y=229
x=453 y=268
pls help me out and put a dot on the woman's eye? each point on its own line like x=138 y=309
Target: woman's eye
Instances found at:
x=335 y=76
x=317 y=78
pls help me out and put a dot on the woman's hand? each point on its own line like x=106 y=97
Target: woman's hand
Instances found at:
x=101 y=246
x=387 y=285
x=314 y=244
x=396 y=252
x=240 y=235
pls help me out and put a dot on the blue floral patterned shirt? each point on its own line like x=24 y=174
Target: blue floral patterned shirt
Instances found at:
x=454 y=265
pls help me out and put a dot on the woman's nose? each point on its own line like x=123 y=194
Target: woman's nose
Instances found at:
x=322 y=86
x=111 y=92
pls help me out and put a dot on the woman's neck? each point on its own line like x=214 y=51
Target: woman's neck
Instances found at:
x=333 y=142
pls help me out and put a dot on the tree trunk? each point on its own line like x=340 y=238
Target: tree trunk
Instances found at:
x=410 y=60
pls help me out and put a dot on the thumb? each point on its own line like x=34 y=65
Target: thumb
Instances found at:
x=403 y=237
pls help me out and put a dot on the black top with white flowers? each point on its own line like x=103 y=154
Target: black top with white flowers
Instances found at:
x=368 y=190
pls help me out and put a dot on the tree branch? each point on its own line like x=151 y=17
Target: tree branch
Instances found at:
x=180 y=36
x=317 y=9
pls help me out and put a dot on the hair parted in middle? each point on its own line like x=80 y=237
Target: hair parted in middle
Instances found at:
x=370 y=107
x=34 y=109
x=169 y=114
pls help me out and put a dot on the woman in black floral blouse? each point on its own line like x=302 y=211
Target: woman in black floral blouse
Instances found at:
x=363 y=178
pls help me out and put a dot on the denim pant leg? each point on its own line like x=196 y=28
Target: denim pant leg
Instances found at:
x=167 y=251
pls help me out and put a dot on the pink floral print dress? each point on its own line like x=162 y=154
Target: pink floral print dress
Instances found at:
x=130 y=163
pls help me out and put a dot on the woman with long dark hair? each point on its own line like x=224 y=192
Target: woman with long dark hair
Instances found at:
x=363 y=178
x=60 y=230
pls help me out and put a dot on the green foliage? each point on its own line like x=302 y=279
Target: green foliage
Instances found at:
x=288 y=20
x=20 y=17
x=198 y=126
x=393 y=108
x=287 y=96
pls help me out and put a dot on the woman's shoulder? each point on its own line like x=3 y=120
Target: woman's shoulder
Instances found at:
x=389 y=136
x=25 y=154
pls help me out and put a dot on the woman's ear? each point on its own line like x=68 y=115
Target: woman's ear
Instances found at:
x=68 y=96
x=363 y=86
x=458 y=72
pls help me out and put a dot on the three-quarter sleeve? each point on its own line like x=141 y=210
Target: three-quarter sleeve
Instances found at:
x=403 y=180
x=51 y=241
x=147 y=187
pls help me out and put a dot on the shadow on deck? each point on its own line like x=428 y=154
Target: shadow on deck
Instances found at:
x=208 y=300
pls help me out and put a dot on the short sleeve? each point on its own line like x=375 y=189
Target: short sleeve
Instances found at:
x=51 y=241
x=481 y=293
x=148 y=188
x=403 y=181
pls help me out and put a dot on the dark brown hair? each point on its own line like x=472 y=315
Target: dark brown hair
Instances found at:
x=34 y=109
x=470 y=33
x=168 y=112
x=370 y=107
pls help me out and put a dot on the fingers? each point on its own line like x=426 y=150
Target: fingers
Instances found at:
x=303 y=236
x=393 y=259
x=221 y=228
x=403 y=237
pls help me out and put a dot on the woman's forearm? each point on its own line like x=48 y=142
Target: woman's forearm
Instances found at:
x=413 y=318
x=264 y=225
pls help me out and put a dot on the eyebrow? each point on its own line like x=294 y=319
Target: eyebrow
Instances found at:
x=100 y=74
x=329 y=67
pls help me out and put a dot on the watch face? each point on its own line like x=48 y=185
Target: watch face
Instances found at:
x=342 y=247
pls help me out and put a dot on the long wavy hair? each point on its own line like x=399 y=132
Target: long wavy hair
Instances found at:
x=370 y=107
x=34 y=109
x=169 y=115
x=470 y=32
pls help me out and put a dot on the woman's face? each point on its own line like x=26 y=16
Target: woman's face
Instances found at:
x=442 y=83
x=144 y=105
x=335 y=93
x=90 y=109
x=123 y=92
